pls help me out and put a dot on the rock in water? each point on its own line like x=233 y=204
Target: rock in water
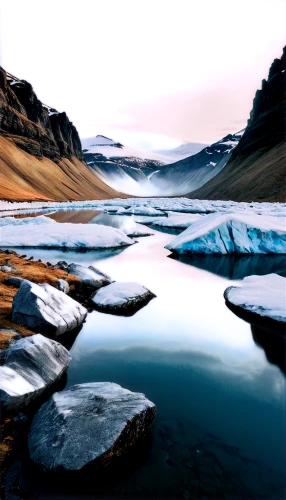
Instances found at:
x=122 y=297
x=30 y=366
x=260 y=300
x=63 y=285
x=90 y=277
x=90 y=423
x=45 y=309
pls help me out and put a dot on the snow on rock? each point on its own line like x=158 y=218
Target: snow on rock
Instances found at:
x=45 y=309
x=92 y=423
x=30 y=366
x=90 y=277
x=232 y=233
x=40 y=220
x=121 y=297
x=260 y=300
x=64 y=235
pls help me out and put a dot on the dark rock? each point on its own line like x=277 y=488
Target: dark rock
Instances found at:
x=63 y=286
x=88 y=424
x=14 y=281
x=31 y=366
x=122 y=298
x=45 y=309
x=32 y=126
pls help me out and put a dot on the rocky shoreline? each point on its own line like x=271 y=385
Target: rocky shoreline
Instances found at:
x=41 y=302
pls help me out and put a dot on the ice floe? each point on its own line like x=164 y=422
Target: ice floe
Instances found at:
x=263 y=298
x=184 y=205
x=35 y=221
x=64 y=235
x=232 y=233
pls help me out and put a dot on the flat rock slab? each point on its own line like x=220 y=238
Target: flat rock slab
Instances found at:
x=30 y=366
x=86 y=424
x=122 y=297
x=260 y=300
x=45 y=309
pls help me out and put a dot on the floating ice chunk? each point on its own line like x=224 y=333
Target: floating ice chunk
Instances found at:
x=36 y=221
x=232 y=233
x=65 y=235
x=262 y=297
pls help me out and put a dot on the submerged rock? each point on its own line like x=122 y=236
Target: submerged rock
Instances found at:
x=122 y=297
x=30 y=366
x=260 y=300
x=45 y=309
x=86 y=424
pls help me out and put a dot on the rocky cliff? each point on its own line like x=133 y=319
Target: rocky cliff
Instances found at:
x=40 y=150
x=256 y=170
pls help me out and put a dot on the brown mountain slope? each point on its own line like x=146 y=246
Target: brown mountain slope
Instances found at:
x=24 y=177
x=40 y=150
x=256 y=170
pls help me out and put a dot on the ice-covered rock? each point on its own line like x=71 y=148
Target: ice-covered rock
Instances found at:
x=91 y=423
x=90 y=276
x=30 y=366
x=36 y=221
x=64 y=235
x=261 y=300
x=232 y=233
x=63 y=286
x=121 y=297
x=45 y=309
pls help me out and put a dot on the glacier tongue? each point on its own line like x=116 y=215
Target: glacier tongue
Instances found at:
x=232 y=233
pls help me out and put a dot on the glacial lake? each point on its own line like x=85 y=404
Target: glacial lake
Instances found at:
x=218 y=384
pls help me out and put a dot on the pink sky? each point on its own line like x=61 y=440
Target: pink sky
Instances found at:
x=149 y=73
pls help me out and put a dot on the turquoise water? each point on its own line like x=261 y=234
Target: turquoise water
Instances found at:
x=220 y=424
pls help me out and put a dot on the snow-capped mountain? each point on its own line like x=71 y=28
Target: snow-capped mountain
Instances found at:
x=193 y=172
x=147 y=173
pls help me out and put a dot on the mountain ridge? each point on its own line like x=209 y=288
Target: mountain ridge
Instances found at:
x=40 y=150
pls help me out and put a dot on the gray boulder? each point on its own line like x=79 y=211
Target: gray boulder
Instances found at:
x=63 y=286
x=90 y=423
x=45 y=309
x=14 y=281
x=121 y=297
x=30 y=366
x=90 y=277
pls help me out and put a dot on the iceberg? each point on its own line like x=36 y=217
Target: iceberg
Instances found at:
x=261 y=300
x=232 y=233
x=64 y=235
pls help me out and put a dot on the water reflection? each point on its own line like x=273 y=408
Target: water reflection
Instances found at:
x=75 y=216
x=220 y=420
x=236 y=267
x=274 y=346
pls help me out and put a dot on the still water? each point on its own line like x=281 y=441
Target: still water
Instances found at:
x=218 y=385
